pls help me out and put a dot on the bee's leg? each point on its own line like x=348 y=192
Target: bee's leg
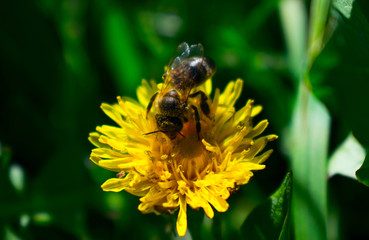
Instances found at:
x=150 y=103
x=197 y=119
x=203 y=102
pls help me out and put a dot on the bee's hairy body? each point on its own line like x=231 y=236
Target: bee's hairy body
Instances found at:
x=172 y=100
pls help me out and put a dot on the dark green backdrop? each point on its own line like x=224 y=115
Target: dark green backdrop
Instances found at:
x=59 y=60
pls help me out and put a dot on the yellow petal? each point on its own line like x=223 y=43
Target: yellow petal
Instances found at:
x=258 y=129
x=111 y=165
x=168 y=184
x=196 y=200
x=208 y=86
x=140 y=189
x=226 y=160
x=260 y=159
x=94 y=139
x=144 y=92
x=115 y=163
x=210 y=147
x=233 y=142
x=107 y=153
x=244 y=113
x=145 y=207
x=231 y=93
x=172 y=200
x=215 y=100
x=257 y=147
x=182 y=216
x=154 y=195
x=112 y=113
x=116 y=144
x=256 y=110
x=218 y=203
x=112 y=132
x=116 y=184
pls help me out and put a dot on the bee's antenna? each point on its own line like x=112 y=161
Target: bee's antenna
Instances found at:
x=162 y=132
x=152 y=132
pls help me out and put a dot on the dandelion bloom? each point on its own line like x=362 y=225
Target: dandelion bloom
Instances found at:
x=170 y=174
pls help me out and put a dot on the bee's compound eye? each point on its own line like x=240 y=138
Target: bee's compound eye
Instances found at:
x=176 y=122
x=160 y=119
x=169 y=124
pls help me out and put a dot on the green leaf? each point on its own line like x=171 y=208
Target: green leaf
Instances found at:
x=10 y=234
x=286 y=233
x=307 y=144
x=269 y=220
x=121 y=50
x=307 y=140
x=294 y=22
x=344 y=6
x=347 y=158
x=17 y=177
x=363 y=173
x=342 y=69
x=317 y=26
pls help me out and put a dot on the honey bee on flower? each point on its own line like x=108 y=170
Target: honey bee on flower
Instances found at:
x=221 y=148
x=187 y=69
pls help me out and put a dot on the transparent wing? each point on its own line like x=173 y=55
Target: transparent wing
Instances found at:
x=183 y=52
x=196 y=50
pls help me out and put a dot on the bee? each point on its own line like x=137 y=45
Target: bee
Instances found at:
x=187 y=69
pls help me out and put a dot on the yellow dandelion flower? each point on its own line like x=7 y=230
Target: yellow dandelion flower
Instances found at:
x=170 y=174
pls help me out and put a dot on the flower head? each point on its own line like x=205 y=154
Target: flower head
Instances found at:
x=170 y=174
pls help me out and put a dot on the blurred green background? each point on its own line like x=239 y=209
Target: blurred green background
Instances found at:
x=59 y=60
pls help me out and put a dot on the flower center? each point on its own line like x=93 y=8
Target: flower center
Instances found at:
x=189 y=147
x=192 y=157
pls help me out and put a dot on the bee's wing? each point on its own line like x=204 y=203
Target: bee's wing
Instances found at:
x=196 y=50
x=183 y=52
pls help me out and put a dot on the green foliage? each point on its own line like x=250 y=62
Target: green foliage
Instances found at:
x=344 y=7
x=308 y=134
x=344 y=78
x=270 y=219
x=347 y=158
x=308 y=145
x=120 y=48
x=363 y=173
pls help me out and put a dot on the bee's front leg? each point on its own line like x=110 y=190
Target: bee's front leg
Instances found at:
x=149 y=106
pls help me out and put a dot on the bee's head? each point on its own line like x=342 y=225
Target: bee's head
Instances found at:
x=171 y=126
